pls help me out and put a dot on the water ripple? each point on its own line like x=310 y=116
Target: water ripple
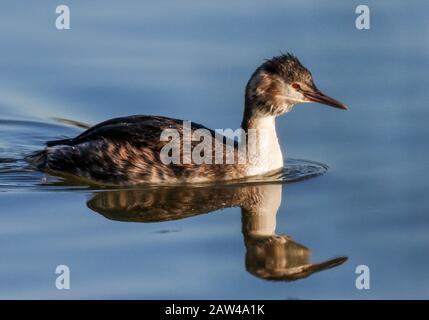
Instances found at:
x=20 y=137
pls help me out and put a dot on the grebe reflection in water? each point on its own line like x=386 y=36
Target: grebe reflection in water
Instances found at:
x=127 y=151
x=269 y=255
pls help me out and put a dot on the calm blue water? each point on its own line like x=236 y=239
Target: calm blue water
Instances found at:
x=191 y=60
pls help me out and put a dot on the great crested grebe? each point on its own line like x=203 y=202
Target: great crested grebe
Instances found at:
x=127 y=151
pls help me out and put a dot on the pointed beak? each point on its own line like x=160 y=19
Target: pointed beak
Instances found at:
x=314 y=95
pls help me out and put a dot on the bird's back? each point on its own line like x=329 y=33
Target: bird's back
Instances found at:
x=127 y=151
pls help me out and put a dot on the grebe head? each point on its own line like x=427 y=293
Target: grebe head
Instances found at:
x=280 y=83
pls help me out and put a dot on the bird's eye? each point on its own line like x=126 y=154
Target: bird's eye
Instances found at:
x=296 y=86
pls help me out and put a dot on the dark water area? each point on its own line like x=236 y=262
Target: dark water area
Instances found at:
x=359 y=198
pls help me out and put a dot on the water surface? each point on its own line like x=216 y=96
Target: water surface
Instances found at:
x=191 y=60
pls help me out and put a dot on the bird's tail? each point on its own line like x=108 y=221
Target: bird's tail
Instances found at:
x=37 y=159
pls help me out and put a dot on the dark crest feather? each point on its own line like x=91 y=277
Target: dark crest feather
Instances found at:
x=288 y=67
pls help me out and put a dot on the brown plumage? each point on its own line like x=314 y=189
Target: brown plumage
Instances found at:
x=126 y=151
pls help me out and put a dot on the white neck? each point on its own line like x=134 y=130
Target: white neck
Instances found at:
x=265 y=155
